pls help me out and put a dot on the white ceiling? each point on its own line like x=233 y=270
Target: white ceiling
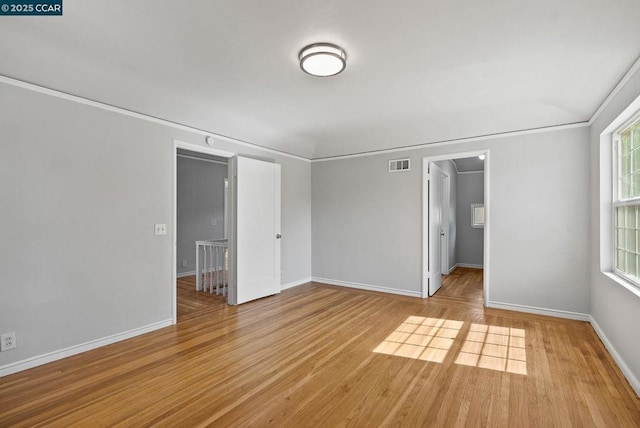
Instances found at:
x=469 y=164
x=417 y=71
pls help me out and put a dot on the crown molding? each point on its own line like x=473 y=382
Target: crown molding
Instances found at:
x=456 y=141
x=97 y=104
x=635 y=67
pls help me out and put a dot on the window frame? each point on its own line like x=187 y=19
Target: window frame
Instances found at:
x=617 y=201
x=475 y=222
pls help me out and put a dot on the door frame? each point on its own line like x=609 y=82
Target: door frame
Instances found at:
x=177 y=144
x=425 y=216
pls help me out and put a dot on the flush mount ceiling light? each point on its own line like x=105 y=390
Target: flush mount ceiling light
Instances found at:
x=322 y=59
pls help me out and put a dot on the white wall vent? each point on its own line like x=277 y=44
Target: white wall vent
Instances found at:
x=398 y=165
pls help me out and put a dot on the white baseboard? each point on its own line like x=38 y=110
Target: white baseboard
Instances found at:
x=77 y=349
x=633 y=380
x=540 y=311
x=464 y=265
x=470 y=265
x=295 y=283
x=367 y=287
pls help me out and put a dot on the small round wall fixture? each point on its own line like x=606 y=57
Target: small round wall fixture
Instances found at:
x=322 y=59
x=209 y=140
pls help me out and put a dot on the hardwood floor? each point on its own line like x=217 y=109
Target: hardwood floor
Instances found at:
x=319 y=355
x=192 y=303
x=463 y=283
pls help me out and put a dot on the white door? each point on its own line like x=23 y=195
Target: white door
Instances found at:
x=435 y=227
x=255 y=193
x=444 y=224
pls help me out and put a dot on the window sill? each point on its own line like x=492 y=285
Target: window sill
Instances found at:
x=623 y=282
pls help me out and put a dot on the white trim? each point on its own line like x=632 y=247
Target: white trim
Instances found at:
x=486 y=235
x=464 y=265
x=174 y=243
x=539 y=311
x=201 y=149
x=77 y=349
x=424 y=274
x=295 y=283
x=631 y=378
x=607 y=186
x=629 y=286
x=368 y=287
x=457 y=141
x=471 y=172
x=625 y=79
x=470 y=265
x=629 y=112
x=183 y=274
x=137 y=115
x=456 y=155
x=454 y=166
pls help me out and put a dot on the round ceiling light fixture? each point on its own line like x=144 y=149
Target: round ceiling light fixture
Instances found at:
x=322 y=59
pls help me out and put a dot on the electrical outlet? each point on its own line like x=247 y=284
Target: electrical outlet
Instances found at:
x=7 y=341
x=214 y=222
x=185 y=263
x=160 y=229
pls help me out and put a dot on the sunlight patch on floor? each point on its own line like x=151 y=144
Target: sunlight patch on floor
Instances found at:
x=421 y=338
x=495 y=348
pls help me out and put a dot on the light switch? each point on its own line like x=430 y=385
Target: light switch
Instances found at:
x=160 y=229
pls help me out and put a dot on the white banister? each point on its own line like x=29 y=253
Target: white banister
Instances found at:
x=214 y=269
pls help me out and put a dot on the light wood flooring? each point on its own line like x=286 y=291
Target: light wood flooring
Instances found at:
x=318 y=355
x=191 y=302
x=463 y=283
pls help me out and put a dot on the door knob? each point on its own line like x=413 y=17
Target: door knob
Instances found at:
x=278 y=236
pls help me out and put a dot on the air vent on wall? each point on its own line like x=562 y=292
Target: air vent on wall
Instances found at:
x=399 y=165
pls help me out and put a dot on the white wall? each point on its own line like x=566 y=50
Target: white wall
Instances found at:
x=200 y=200
x=469 y=246
x=366 y=223
x=81 y=188
x=614 y=309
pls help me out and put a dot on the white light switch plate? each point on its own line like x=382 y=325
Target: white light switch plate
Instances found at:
x=160 y=229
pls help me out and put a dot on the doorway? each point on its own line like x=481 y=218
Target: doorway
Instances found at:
x=250 y=229
x=200 y=215
x=455 y=248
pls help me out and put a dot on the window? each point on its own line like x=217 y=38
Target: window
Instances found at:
x=477 y=215
x=626 y=201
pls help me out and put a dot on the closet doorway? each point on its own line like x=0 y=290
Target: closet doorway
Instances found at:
x=456 y=225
